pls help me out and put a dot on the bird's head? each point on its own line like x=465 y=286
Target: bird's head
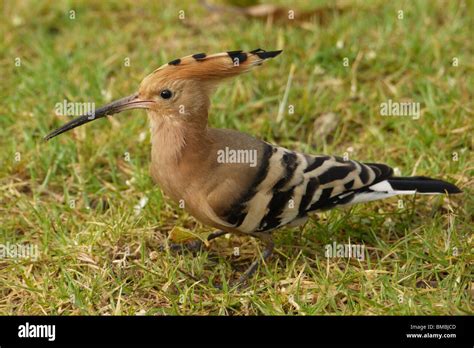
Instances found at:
x=180 y=88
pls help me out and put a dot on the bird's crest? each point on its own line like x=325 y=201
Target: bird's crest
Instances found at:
x=216 y=66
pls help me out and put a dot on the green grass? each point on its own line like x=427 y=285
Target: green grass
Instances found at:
x=84 y=268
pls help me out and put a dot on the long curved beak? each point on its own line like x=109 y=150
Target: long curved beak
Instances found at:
x=127 y=103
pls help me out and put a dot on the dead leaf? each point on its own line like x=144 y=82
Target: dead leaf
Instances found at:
x=180 y=234
x=281 y=14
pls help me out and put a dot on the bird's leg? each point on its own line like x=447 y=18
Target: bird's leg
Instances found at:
x=194 y=245
x=267 y=252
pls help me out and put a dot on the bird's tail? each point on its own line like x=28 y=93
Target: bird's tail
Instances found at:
x=421 y=185
x=404 y=186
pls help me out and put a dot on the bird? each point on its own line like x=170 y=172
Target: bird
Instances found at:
x=232 y=181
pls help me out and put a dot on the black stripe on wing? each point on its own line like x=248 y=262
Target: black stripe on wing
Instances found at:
x=276 y=206
x=311 y=187
x=324 y=201
x=315 y=162
x=289 y=161
x=336 y=173
x=280 y=199
x=238 y=211
x=382 y=171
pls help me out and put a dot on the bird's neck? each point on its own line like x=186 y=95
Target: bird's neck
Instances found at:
x=173 y=137
x=178 y=146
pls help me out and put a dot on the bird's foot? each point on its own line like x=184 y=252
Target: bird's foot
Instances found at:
x=267 y=252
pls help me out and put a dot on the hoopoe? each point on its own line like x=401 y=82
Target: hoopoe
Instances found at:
x=197 y=164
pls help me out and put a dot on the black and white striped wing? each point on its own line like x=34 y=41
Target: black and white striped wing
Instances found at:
x=289 y=185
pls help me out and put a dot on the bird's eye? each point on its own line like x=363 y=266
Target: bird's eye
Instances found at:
x=166 y=94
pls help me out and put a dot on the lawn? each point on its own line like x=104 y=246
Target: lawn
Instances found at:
x=86 y=204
